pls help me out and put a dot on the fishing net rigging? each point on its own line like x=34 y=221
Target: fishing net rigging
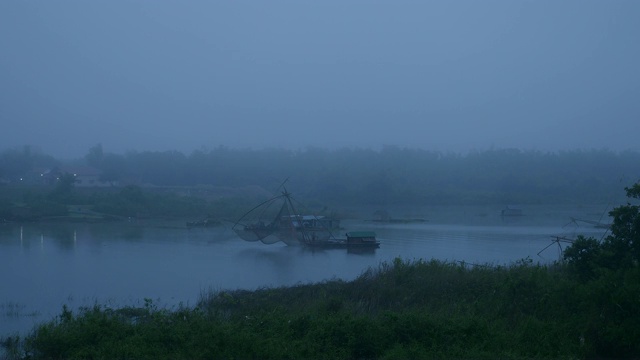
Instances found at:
x=277 y=219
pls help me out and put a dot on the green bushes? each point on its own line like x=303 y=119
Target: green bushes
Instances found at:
x=618 y=251
x=609 y=275
x=403 y=309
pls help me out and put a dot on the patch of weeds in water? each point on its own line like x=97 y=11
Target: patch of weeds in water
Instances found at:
x=10 y=309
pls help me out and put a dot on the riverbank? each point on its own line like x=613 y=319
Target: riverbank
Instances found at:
x=401 y=309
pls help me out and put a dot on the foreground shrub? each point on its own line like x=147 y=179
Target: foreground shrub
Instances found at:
x=403 y=309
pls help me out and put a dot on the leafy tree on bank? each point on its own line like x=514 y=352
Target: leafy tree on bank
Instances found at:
x=625 y=238
x=620 y=250
x=608 y=271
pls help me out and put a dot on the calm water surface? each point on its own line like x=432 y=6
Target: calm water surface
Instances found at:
x=43 y=266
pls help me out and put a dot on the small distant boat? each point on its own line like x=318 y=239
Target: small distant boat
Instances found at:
x=511 y=211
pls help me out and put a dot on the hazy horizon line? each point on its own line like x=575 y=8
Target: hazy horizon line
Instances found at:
x=379 y=148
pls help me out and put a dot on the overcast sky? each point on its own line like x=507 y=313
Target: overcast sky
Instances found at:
x=450 y=75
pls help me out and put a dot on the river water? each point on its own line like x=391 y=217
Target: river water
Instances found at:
x=44 y=266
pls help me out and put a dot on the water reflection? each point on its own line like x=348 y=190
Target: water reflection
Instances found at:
x=123 y=231
x=279 y=257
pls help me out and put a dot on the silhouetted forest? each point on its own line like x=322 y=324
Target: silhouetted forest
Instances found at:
x=392 y=175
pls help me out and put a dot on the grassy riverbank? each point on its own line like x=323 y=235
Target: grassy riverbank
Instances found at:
x=419 y=309
x=38 y=204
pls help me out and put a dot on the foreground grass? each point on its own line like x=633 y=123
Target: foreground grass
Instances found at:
x=402 y=309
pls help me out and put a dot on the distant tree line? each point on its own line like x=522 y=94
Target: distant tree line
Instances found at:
x=392 y=175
